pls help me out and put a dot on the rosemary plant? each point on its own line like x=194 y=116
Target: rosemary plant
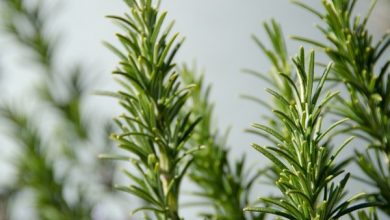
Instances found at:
x=306 y=164
x=155 y=126
x=42 y=48
x=165 y=139
x=363 y=215
x=36 y=172
x=357 y=65
x=223 y=185
x=33 y=168
x=278 y=57
x=73 y=128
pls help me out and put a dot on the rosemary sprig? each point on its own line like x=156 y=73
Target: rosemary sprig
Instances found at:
x=306 y=162
x=276 y=77
x=363 y=215
x=35 y=171
x=224 y=185
x=26 y=24
x=357 y=65
x=155 y=127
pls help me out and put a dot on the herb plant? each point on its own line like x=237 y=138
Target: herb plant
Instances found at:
x=305 y=161
x=63 y=96
x=37 y=173
x=167 y=128
x=277 y=54
x=34 y=169
x=357 y=65
x=224 y=185
x=155 y=127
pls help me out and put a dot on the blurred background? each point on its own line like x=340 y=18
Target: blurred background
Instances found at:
x=217 y=41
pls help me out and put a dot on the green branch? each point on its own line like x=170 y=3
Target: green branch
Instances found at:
x=72 y=127
x=155 y=126
x=223 y=184
x=36 y=171
x=304 y=159
x=356 y=64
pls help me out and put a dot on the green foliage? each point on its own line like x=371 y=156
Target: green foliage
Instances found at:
x=36 y=171
x=63 y=96
x=278 y=57
x=303 y=157
x=167 y=133
x=357 y=64
x=223 y=185
x=42 y=48
x=362 y=215
x=15 y=11
x=155 y=127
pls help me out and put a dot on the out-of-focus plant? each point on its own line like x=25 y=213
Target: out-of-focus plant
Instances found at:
x=155 y=126
x=277 y=55
x=62 y=94
x=362 y=65
x=35 y=171
x=305 y=162
x=370 y=214
x=223 y=185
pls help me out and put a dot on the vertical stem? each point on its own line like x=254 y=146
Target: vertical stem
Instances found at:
x=173 y=208
x=169 y=194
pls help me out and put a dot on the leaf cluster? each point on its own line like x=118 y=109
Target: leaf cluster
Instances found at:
x=224 y=185
x=36 y=171
x=357 y=65
x=277 y=55
x=303 y=156
x=28 y=26
x=155 y=127
x=63 y=95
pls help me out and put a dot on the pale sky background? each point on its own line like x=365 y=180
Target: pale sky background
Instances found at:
x=217 y=36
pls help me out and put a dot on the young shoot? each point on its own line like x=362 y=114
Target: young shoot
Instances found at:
x=303 y=156
x=155 y=126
